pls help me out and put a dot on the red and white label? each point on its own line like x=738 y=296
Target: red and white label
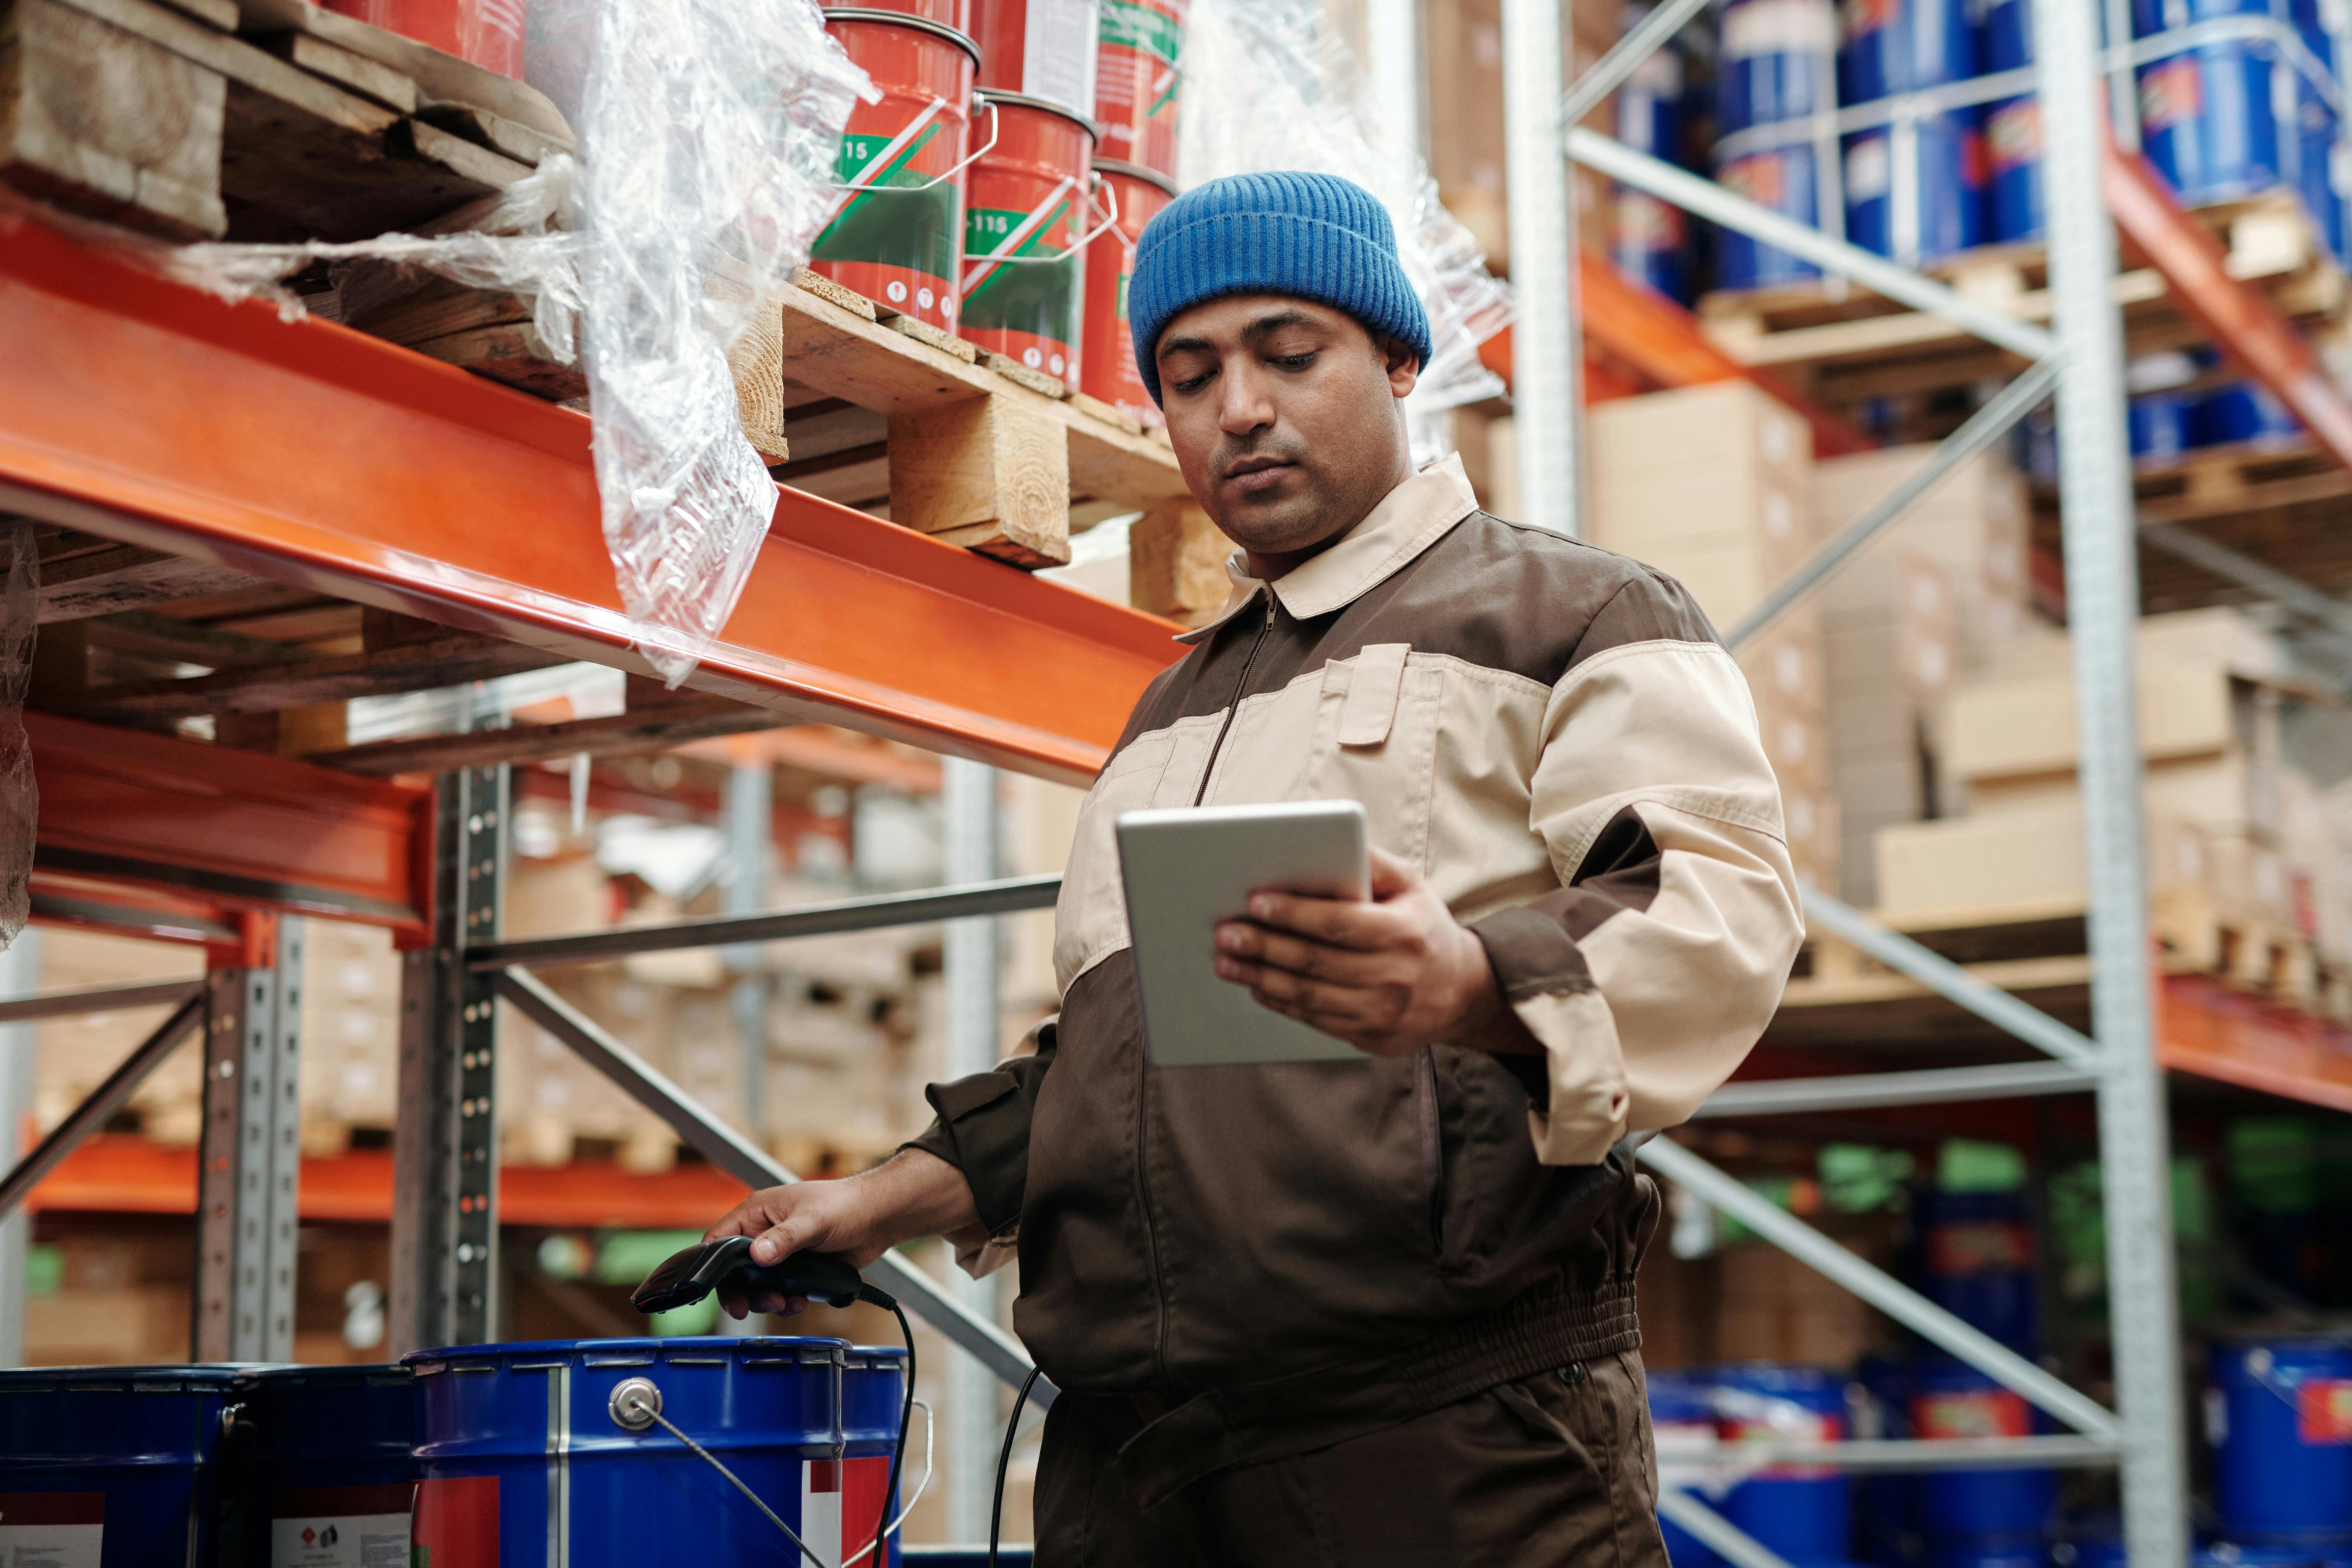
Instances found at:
x=1980 y=1247
x=2323 y=1408
x=1971 y=1413
x=342 y=1527
x=841 y=1505
x=52 y=1530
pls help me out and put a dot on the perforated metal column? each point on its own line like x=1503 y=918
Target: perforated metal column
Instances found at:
x=446 y=1149
x=249 y=1159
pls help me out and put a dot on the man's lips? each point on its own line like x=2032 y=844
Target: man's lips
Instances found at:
x=1257 y=474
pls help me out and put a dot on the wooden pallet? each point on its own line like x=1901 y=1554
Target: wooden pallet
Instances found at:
x=2041 y=946
x=972 y=448
x=1845 y=344
x=261 y=120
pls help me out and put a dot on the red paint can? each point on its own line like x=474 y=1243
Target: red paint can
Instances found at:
x=956 y=14
x=896 y=235
x=1137 y=74
x=1026 y=227
x=1040 y=48
x=1108 y=362
x=487 y=32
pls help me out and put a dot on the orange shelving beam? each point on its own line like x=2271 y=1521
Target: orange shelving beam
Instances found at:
x=309 y=454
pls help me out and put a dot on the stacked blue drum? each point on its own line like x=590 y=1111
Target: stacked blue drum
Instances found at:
x=319 y=1464
x=112 y=1466
x=1914 y=184
x=1682 y=1423
x=1978 y=1518
x=1801 y=1511
x=2281 y=1419
x=518 y=1444
x=1776 y=66
x=2012 y=129
x=1649 y=238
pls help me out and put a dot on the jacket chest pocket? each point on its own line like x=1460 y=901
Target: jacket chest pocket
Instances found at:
x=1376 y=742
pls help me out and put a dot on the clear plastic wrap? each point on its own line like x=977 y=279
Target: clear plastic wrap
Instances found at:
x=20 y=797
x=1272 y=84
x=707 y=131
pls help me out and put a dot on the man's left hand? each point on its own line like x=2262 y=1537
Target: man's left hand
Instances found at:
x=1388 y=975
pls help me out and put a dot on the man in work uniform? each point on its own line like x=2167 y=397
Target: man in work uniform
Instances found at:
x=1375 y=1312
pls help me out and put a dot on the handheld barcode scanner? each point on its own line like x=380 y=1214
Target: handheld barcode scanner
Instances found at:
x=686 y=1278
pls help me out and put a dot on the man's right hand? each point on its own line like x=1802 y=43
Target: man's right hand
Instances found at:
x=860 y=1217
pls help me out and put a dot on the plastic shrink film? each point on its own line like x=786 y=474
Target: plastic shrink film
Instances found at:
x=20 y=798
x=707 y=131
x=1272 y=84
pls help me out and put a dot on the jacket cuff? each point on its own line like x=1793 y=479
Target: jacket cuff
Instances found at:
x=1586 y=1104
x=982 y=1127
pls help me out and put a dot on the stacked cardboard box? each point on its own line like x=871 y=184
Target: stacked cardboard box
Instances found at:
x=1936 y=596
x=2209 y=713
x=1709 y=484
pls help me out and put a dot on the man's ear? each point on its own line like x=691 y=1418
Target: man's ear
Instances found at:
x=1403 y=366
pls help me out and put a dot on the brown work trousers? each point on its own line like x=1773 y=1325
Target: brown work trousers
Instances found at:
x=1554 y=1469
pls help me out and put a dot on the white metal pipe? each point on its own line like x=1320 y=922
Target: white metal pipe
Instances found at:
x=971 y=1425
x=1712 y=1530
x=1613 y=69
x=1545 y=368
x=1712 y=202
x=2096 y=514
x=750 y=822
x=1866 y=1091
x=1874 y=1285
x=20 y=971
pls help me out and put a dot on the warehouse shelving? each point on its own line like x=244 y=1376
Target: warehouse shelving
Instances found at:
x=162 y=425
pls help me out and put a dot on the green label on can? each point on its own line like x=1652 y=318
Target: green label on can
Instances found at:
x=1042 y=296
x=899 y=216
x=1142 y=29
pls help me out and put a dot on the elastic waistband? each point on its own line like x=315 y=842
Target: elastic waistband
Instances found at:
x=1246 y=1423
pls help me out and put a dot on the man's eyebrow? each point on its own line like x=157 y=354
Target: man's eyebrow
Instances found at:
x=1185 y=345
x=1274 y=322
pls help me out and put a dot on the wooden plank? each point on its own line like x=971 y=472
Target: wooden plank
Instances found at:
x=129 y=577
x=1176 y=562
x=512 y=355
x=151 y=636
x=241 y=63
x=450 y=660
x=612 y=735
x=499 y=134
x=340 y=66
x=109 y=124
x=988 y=474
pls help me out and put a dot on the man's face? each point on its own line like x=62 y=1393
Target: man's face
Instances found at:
x=1285 y=418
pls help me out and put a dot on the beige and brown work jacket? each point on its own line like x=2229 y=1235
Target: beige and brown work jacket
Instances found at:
x=1555 y=737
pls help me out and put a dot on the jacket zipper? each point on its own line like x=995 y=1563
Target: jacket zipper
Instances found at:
x=1143 y=1067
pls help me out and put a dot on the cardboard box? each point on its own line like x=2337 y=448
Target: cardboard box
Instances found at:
x=2025 y=726
x=139 y=1325
x=1973 y=524
x=2026 y=855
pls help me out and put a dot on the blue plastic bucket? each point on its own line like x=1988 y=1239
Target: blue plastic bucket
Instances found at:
x=2283 y=1439
x=110 y=1465
x=2207 y=118
x=2315 y=132
x=1973 y=1515
x=1886 y=1507
x=1648 y=238
x=1945 y=173
x=1799 y=1511
x=518 y=1441
x=1776 y=61
x=2013 y=140
x=319 y=1457
x=1977 y=1262
x=1682 y=1423
x=1901 y=45
x=2007 y=40
x=2241 y=411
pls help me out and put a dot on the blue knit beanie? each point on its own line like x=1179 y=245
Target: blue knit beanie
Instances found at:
x=1316 y=236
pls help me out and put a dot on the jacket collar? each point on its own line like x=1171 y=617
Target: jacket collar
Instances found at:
x=1408 y=520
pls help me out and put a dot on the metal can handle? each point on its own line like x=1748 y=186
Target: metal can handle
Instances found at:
x=980 y=152
x=1098 y=185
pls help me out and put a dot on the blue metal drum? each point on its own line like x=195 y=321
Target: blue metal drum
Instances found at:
x=321 y=1458
x=1648 y=238
x=1978 y=1517
x=1915 y=190
x=2241 y=411
x=1682 y=1423
x=1799 y=1511
x=2283 y=1440
x=2008 y=38
x=2211 y=116
x=2159 y=423
x=2316 y=126
x=1776 y=62
x=1977 y=1262
x=2012 y=138
x=111 y=1466
x=518 y=1444
x=1901 y=45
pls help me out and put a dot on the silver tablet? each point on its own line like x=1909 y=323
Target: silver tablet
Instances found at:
x=1188 y=868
